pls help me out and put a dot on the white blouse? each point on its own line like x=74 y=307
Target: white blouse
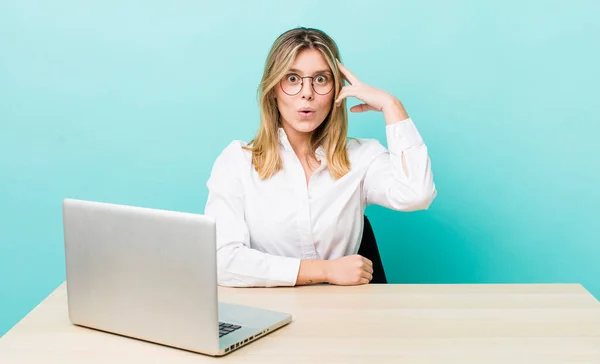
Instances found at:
x=265 y=227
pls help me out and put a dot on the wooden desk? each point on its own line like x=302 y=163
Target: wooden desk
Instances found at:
x=366 y=324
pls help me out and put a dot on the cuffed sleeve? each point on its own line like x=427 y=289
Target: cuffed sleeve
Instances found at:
x=238 y=264
x=386 y=182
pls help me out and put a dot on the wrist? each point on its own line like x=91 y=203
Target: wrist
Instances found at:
x=393 y=111
x=325 y=271
x=313 y=271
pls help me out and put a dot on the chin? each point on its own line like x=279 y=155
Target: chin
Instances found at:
x=305 y=126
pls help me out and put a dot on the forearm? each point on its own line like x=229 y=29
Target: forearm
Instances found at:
x=401 y=179
x=312 y=271
x=241 y=266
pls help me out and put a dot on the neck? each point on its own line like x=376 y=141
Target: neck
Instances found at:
x=298 y=140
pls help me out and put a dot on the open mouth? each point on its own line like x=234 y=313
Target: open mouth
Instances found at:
x=305 y=114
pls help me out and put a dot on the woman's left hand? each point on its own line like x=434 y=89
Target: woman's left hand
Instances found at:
x=373 y=98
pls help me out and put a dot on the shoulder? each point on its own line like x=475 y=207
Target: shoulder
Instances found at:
x=364 y=150
x=234 y=153
x=232 y=159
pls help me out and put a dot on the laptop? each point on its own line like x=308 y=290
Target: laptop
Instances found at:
x=151 y=274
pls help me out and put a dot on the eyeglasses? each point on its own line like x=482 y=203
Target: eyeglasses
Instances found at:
x=292 y=84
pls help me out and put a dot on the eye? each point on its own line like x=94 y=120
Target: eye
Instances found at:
x=321 y=79
x=292 y=78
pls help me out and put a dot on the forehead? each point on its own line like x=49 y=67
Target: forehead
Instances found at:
x=310 y=61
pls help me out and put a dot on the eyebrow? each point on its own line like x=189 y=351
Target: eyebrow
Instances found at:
x=295 y=70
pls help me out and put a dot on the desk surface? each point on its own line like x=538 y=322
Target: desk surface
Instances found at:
x=364 y=324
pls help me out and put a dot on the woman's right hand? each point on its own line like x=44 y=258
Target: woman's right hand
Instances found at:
x=349 y=270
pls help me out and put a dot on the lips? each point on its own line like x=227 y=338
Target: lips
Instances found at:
x=306 y=112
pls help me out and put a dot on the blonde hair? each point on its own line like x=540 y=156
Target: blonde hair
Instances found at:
x=330 y=135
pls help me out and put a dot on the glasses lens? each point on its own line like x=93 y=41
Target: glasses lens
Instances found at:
x=291 y=84
x=322 y=84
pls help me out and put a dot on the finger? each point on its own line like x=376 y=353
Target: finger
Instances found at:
x=367 y=268
x=362 y=108
x=349 y=75
x=364 y=281
x=368 y=262
x=367 y=275
x=342 y=95
x=345 y=92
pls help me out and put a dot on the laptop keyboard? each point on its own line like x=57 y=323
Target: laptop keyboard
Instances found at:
x=225 y=328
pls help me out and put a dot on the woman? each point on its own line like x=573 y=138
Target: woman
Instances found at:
x=289 y=204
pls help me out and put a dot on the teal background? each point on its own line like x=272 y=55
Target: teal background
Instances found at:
x=131 y=102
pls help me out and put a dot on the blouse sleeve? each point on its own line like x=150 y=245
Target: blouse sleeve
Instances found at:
x=237 y=263
x=386 y=182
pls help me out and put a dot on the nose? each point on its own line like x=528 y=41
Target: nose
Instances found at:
x=307 y=90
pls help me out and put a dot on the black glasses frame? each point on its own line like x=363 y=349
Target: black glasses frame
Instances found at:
x=312 y=84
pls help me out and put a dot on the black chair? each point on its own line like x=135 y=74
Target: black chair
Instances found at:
x=368 y=249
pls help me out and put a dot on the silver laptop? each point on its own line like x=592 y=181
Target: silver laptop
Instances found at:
x=151 y=275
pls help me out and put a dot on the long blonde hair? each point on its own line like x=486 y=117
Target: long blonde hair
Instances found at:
x=330 y=135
